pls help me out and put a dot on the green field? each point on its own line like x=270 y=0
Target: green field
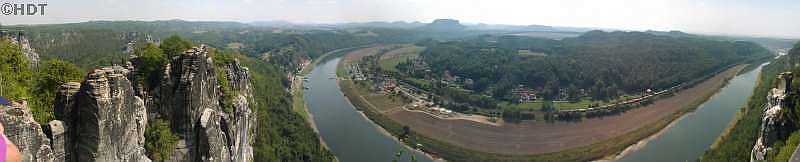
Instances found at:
x=420 y=82
x=381 y=102
x=390 y=60
x=583 y=103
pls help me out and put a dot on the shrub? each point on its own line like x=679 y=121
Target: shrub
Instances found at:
x=159 y=140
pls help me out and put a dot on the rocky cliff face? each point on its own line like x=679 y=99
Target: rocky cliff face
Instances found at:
x=97 y=120
x=25 y=45
x=191 y=99
x=188 y=88
x=107 y=121
x=774 y=119
x=103 y=119
x=244 y=118
x=22 y=130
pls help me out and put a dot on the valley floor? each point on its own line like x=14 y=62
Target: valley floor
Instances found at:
x=588 y=139
x=540 y=137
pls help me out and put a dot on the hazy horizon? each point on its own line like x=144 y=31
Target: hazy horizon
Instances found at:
x=768 y=18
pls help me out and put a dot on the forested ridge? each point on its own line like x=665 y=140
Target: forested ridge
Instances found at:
x=606 y=64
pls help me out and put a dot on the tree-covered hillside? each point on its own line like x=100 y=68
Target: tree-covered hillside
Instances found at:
x=606 y=64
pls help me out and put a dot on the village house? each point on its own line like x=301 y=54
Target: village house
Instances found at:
x=563 y=94
x=388 y=86
x=524 y=94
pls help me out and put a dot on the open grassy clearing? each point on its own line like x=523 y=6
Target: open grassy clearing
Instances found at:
x=381 y=102
x=390 y=60
x=566 y=105
x=385 y=102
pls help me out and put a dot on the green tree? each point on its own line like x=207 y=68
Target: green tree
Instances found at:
x=221 y=59
x=50 y=76
x=159 y=140
x=547 y=106
x=785 y=152
x=151 y=62
x=406 y=132
x=512 y=114
x=14 y=72
x=175 y=45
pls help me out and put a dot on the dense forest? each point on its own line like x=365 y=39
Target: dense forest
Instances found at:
x=103 y=42
x=737 y=144
x=604 y=65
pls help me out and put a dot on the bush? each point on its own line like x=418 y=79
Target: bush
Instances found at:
x=175 y=45
x=151 y=61
x=159 y=140
x=221 y=60
x=227 y=92
x=786 y=151
x=50 y=76
x=14 y=72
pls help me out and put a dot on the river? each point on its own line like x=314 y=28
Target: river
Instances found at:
x=689 y=137
x=354 y=138
x=349 y=134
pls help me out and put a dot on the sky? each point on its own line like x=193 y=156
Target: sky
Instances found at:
x=773 y=18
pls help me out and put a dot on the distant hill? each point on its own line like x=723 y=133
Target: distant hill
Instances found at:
x=673 y=33
x=516 y=28
x=774 y=44
x=444 y=25
x=385 y=24
x=276 y=23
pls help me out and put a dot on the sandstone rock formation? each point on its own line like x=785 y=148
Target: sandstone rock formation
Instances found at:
x=107 y=121
x=99 y=120
x=104 y=118
x=190 y=98
x=25 y=45
x=29 y=52
x=188 y=88
x=22 y=130
x=244 y=118
x=773 y=120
